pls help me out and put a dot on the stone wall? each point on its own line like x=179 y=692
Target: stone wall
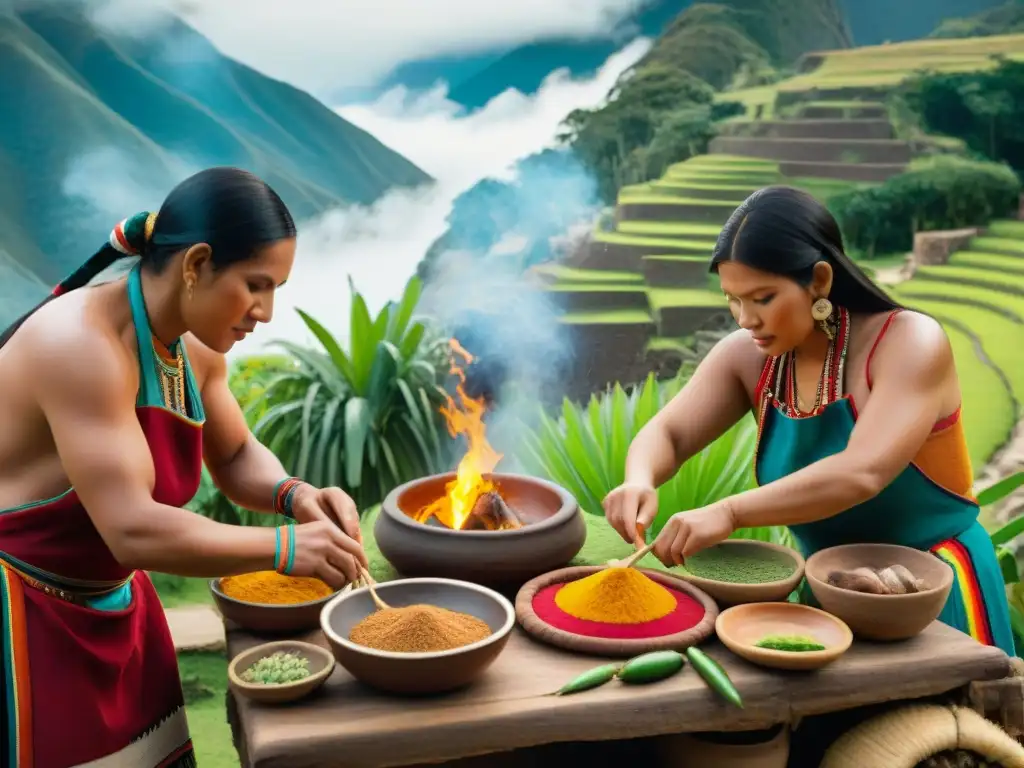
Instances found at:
x=936 y=247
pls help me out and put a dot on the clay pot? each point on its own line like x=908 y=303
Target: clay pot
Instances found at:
x=554 y=533
x=731 y=593
x=736 y=750
x=321 y=665
x=881 y=617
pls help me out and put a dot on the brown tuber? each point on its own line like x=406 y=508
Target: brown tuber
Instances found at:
x=894 y=580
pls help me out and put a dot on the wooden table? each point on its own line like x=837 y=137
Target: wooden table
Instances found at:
x=349 y=725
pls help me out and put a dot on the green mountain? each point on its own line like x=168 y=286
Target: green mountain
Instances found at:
x=97 y=126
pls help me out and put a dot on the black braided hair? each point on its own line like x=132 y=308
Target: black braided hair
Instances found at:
x=231 y=210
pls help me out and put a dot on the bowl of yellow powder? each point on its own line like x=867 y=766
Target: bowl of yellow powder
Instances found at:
x=738 y=571
x=270 y=602
x=436 y=635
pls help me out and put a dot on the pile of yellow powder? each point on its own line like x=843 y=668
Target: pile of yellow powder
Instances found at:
x=616 y=596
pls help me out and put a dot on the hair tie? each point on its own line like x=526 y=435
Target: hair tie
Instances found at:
x=131 y=235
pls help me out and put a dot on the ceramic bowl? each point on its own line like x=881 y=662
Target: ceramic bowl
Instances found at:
x=554 y=533
x=881 y=617
x=731 y=593
x=269 y=619
x=418 y=673
x=321 y=664
x=741 y=627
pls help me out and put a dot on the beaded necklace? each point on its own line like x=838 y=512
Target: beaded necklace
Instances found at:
x=170 y=371
x=830 y=385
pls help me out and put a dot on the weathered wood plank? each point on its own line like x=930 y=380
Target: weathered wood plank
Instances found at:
x=509 y=709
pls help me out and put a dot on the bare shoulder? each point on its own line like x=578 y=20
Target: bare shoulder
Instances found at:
x=914 y=343
x=72 y=348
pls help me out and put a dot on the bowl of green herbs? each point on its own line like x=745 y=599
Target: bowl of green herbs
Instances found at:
x=279 y=672
x=738 y=571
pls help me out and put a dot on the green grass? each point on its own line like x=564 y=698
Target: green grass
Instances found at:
x=671 y=228
x=951 y=291
x=607 y=317
x=641 y=200
x=677 y=257
x=618 y=238
x=1002 y=244
x=176 y=591
x=1007 y=228
x=661 y=343
x=684 y=297
x=576 y=275
x=1010 y=265
x=980 y=277
x=204 y=681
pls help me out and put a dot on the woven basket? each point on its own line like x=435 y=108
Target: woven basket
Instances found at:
x=904 y=737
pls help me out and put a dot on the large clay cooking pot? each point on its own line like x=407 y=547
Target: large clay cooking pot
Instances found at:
x=553 y=535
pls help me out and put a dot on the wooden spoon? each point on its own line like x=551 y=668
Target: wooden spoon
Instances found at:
x=630 y=561
x=368 y=580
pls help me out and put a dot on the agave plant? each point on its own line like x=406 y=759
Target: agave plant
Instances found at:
x=365 y=419
x=585 y=452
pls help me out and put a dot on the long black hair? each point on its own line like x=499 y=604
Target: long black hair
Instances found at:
x=786 y=231
x=231 y=210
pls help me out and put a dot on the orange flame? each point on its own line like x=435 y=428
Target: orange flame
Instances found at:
x=465 y=418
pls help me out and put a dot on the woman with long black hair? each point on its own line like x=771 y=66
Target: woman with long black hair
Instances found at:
x=113 y=396
x=858 y=406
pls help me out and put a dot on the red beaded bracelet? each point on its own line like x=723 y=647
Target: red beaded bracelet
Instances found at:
x=284 y=494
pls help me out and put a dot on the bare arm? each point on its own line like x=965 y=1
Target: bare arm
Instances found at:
x=712 y=401
x=90 y=410
x=911 y=370
x=244 y=469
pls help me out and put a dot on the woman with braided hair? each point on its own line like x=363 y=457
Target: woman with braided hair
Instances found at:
x=113 y=397
x=858 y=406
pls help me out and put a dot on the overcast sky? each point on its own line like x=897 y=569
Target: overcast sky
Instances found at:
x=330 y=44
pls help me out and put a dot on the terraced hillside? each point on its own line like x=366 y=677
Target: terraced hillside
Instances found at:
x=979 y=298
x=637 y=296
x=865 y=73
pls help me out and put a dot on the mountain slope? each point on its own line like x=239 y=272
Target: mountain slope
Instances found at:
x=98 y=126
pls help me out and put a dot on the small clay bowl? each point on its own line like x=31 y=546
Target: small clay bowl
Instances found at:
x=741 y=627
x=418 y=673
x=269 y=619
x=321 y=664
x=881 y=617
x=731 y=593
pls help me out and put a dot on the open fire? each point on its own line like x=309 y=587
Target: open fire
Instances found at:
x=471 y=501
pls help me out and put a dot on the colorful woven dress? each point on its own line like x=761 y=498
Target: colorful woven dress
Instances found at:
x=89 y=675
x=928 y=506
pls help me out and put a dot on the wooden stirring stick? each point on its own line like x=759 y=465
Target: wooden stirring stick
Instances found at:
x=368 y=580
x=630 y=561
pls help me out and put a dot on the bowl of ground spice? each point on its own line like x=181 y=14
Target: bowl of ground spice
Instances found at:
x=436 y=635
x=740 y=571
x=783 y=635
x=270 y=602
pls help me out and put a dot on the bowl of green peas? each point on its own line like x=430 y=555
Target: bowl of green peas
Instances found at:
x=280 y=672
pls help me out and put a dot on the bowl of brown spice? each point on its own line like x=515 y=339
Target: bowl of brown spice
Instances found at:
x=436 y=635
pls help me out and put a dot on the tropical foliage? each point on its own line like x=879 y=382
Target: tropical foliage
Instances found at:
x=585 y=452
x=1002 y=540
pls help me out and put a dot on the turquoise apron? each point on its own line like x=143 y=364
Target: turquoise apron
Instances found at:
x=912 y=511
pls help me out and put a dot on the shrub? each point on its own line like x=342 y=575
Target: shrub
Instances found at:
x=584 y=451
x=945 y=192
x=366 y=419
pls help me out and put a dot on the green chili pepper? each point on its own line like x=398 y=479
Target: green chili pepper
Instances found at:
x=592 y=678
x=714 y=676
x=649 y=667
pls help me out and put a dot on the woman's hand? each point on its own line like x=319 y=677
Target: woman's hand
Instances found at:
x=687 y=533
x=630 y=509
x=323 y=550
x=327 y=504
